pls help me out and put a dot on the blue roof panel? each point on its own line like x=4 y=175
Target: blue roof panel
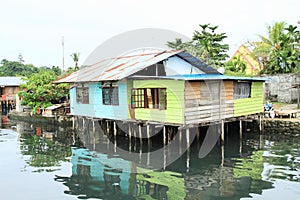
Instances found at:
x=215 y=77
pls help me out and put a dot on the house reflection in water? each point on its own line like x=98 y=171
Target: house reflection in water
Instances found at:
x=96 y=175
x=100 y=170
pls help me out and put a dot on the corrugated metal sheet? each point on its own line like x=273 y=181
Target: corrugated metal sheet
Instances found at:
x=195 y=77
x=197 y=63
x=191 y=77
x=11 y=81
x=116 y=68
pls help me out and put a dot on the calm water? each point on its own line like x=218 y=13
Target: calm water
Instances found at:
x=55 y=163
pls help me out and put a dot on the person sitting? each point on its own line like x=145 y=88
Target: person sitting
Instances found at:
x=269 y=110
x=268 y=106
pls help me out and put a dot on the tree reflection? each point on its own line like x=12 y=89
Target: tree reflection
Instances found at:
x=44 y=151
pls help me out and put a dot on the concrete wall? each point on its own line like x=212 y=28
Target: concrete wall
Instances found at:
x=280 y=86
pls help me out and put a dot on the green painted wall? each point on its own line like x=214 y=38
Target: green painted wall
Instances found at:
x=175 y=101
x=129 y=87
x=251 y=105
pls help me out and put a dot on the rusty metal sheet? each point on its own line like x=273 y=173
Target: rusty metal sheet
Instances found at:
x=116 y=68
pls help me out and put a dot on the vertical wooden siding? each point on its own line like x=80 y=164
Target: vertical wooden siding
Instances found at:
x=95 y=108
x=175 y=101
x=251 y=105
x=204 y=105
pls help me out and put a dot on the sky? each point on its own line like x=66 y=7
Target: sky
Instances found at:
x=35 y=28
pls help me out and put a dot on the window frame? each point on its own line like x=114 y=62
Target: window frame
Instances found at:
x=141 y=97
x=240 y=91
x=82 y=93
x=113 y=95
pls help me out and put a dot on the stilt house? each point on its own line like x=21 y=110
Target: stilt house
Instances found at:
x=168 y=87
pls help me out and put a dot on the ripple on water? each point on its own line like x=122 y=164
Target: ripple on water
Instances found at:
x=6 y=134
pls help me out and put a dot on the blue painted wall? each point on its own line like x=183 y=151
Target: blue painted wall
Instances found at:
x=98 y=163
x=95 y=108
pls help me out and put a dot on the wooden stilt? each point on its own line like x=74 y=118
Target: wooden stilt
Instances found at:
x=223 y=154
x=241 y=128
x=94 y=128
x=260 y=124
x=129 y=135
x=187 y=137
x=188 y=150
x=164 y=135
x=222 y=132
x=140 y=134
x=180 y=140
x=115 y=130
x=73 y=122
x=149 y=136
x=107 y=127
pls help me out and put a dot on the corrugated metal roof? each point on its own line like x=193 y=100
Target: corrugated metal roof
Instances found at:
x=191 y=77
x=197 y=63
x=122 y=67
x=116 y=68
x=11 y=81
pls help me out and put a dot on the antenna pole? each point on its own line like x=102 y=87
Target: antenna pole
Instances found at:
x=63 y=53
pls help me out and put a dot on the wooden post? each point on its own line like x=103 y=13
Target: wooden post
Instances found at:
x=115 y=130
x=188 y=150
x=140 y=134
x=149 y=136
x=187 y=138
x=164 y=135
x=94 y=128
x=73 y=122
x=241 y=128
x=222 y=132
x=83 y=123
x=180 y=140
x=107 y=127
x=260 y=123
x=198 y=134
x=223 y=154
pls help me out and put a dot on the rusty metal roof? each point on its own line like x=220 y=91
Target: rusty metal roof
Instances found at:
x=124 y=66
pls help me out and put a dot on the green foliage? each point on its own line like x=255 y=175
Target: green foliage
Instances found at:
x=174 y=182
x=16 y=68
x=213 y=51
x=236 y=67
x=39 y=92
x=206 y=45
x=75 y=57
x=280 y=51
x=44 y=152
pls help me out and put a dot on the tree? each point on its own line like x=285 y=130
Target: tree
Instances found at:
x=236 y=66
x=39 y=92
x=213 y=51
x=21 y=59
x=279 y=52
x=16 y=68
x=206 y=45
x=75 y=57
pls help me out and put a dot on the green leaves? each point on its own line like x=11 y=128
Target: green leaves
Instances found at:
x=16 y=68
x=279 y=52
x=39 y=92
x=206 y=45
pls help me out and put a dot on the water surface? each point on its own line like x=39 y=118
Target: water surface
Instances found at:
x=46 y=162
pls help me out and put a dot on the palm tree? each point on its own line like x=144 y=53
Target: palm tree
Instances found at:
x=279 y=52
x=75 y=57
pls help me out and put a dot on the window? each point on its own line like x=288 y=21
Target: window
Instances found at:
x=82 y=93
x=242 y=90
x=110 y=95
x=210 y=93
x=155 y=98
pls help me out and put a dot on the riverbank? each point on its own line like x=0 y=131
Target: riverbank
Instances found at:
x=62 y=120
